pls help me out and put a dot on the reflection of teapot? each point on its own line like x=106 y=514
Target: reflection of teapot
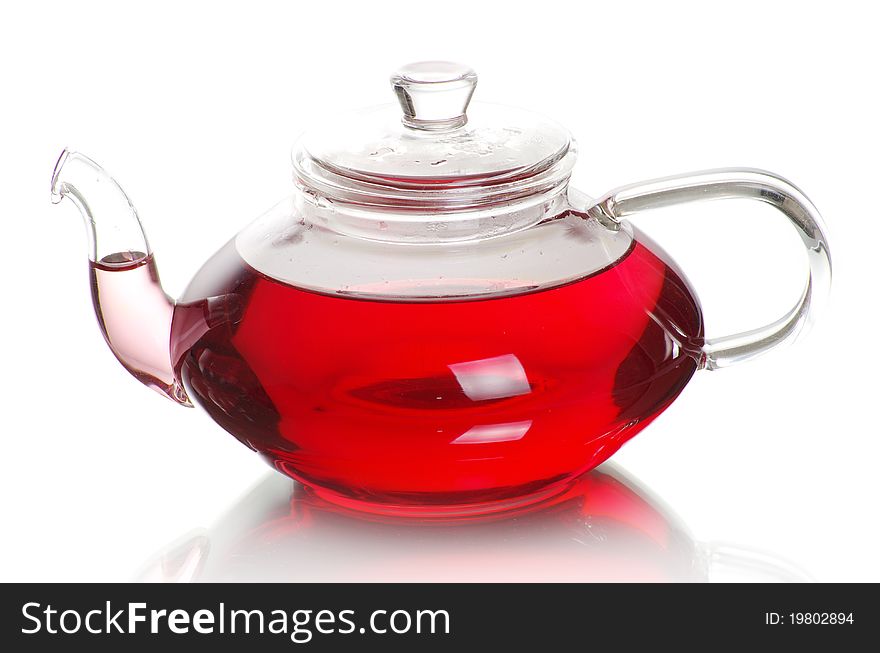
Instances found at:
x=434 y=323
x=604 y=527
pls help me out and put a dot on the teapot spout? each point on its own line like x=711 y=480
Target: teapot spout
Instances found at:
x=133 y=311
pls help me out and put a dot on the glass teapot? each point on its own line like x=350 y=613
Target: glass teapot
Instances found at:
x=434 y=323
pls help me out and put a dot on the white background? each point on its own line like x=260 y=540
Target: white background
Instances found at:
x=193 y=108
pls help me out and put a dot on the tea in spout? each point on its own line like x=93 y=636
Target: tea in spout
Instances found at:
x=133 y=311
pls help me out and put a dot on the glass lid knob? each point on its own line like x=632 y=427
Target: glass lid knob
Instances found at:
x=434 y=95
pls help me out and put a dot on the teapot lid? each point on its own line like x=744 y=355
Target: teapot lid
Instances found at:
x=434 y=150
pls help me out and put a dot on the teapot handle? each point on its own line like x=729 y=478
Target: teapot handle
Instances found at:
x=740 y=183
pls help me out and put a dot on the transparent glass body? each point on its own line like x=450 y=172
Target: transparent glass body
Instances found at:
x=461 y=374
x=433 y=323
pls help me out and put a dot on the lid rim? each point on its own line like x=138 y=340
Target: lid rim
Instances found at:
x=448 y=182
x=315 y=178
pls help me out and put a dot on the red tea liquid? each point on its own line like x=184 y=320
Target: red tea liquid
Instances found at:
x=415 y=405
x=135 y=314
